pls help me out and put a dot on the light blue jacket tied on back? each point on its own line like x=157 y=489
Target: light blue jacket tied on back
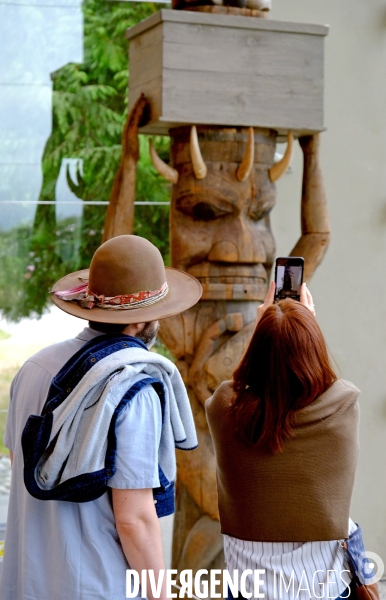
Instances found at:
x=69 y=450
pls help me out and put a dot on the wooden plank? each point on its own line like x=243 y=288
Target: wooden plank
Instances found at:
x=256 y=53
x=239 y=107
x=153 y=92
x=151 y=36
x=266 y=66
x=145 y=64
x=182 y=92
x=252 y=74
x=228 y=21
x=194 y=99
x=230 y=10
x=163 y=127
x=145 y=56
x=144 y=25
x=174 y=31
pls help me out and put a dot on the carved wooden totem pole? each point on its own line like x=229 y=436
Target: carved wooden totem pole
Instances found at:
x=225 y=86
x=220 y=233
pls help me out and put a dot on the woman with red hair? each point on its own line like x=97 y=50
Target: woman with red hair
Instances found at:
x=285 y=434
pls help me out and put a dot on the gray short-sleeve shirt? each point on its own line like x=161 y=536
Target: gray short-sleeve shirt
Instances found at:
x=57 y=550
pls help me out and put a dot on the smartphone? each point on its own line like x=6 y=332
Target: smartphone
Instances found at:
x=288 y=277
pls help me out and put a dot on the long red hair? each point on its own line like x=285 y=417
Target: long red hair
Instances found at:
x=285 y=367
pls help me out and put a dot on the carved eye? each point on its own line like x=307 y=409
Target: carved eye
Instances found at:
x=258 y=214
x=204 y=211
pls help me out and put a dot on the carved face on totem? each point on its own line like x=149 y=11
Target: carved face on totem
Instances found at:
x=220 y=225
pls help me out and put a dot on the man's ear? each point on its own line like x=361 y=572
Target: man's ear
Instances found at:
x=133 y=329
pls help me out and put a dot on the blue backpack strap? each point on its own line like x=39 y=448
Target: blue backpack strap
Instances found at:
x=85 y=487
x=133 y=391
x=37 y=431
x=163 y=495
x=82 y=361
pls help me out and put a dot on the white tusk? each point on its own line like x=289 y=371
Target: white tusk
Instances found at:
x=199 y=166
x=278 y=169
x=163 y=169
x=245 y=168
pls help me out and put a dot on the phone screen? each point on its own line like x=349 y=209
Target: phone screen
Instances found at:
x=288 y=277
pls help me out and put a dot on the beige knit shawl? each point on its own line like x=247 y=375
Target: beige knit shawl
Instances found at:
x=301 y=494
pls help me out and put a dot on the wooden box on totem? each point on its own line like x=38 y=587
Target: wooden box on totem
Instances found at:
x=216 y=69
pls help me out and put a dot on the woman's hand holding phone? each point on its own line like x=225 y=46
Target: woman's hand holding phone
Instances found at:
x=267 y=302
x=305 y=299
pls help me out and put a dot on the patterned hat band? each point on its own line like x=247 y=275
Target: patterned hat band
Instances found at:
x=82 y=296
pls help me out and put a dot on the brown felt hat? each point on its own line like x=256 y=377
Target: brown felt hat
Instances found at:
x=128 y=264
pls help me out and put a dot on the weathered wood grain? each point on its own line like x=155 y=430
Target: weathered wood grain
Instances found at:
x=219 y=69
x=315 y=222
x=153 y=89
x=147 y=64
x=215 y=70
x=230 y=10
x=120 y=212
x=248 y=103
x=220 y=233
x=200 y=18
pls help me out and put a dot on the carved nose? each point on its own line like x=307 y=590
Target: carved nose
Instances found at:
x=224 y=251
x=249 y=249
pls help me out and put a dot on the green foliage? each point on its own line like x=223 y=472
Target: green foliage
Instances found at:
x=90 y=103
x=90 y=100
x=89 y=111
x=27 y=275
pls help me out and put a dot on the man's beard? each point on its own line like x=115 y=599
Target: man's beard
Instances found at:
x=148 y=335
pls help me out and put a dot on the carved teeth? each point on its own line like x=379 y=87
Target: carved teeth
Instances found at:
x=163 y=169
x=199 y=166
x=278 y=169
x=245 y=168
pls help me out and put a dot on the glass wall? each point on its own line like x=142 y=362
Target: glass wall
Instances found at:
x=37 y=38
x=63 y=103
x=63 y=99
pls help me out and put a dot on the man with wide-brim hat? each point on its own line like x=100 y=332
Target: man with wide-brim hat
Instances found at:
x=92 y=428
